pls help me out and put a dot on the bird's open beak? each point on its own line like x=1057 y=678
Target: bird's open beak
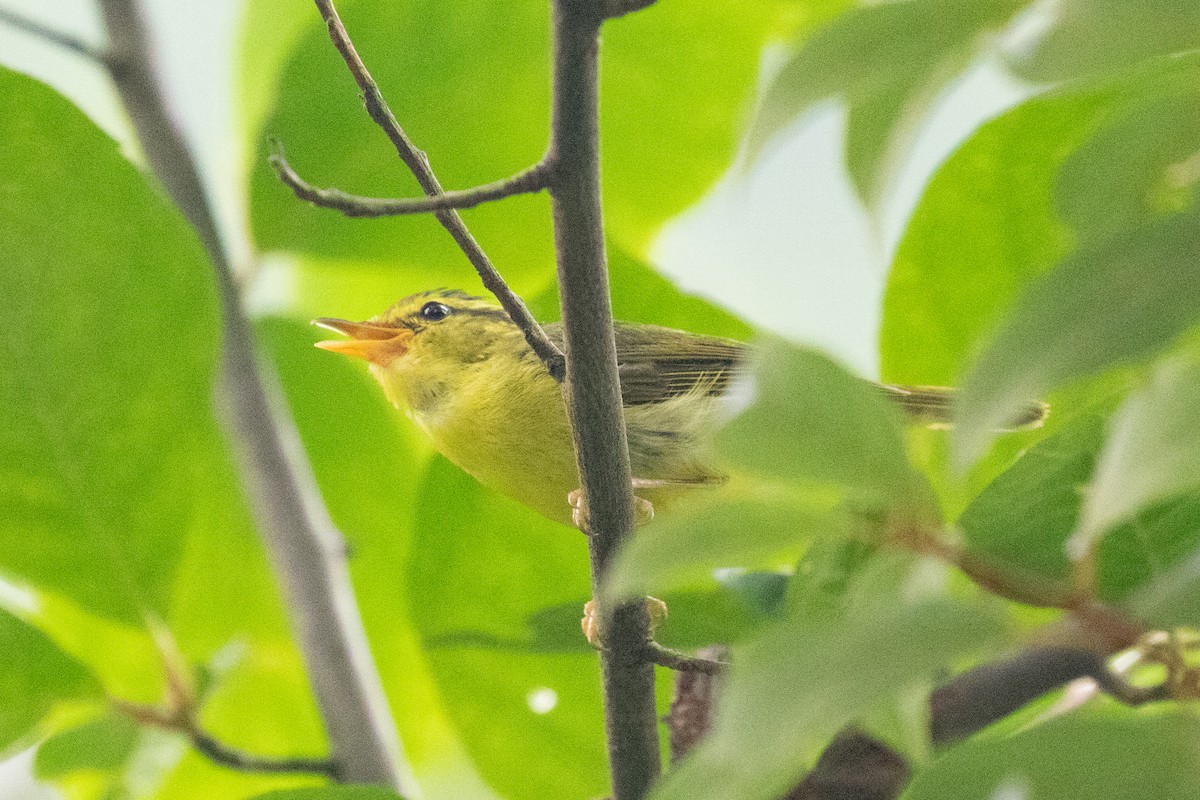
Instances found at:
x=379 y=344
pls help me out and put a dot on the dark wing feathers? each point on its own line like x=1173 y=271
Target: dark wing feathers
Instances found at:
x=657 y=364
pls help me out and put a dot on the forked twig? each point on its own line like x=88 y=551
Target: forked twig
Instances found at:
x=416 y=160
x=529 y=181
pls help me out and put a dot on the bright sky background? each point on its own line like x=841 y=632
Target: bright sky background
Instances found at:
x=792 y=222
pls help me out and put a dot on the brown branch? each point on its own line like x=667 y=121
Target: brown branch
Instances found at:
x=416 y=160
x=1013 y=583
x=527 y=182
x=593 y=390
x=976 y=699
x=306 y=549
x=56 y=37
x=854 y=766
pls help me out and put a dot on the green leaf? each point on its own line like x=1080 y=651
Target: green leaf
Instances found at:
x=1091 y=37
x=983 y=229
x=1152 y=453
x=451 y=73
x=111 y=456
x=104 y=744
x=825 y=574
x=330 y=793
x=886 y=61
x=1141 y=161
x=485 y=564
x=369 y=463
x=788 y=689
x=811 y=421
x=36 y=676
x=639 y=294
x=268 y=33
x=1112 y=303
x=1021 y=522
x=682 y=547
x=1148 y=756
x=697 y=618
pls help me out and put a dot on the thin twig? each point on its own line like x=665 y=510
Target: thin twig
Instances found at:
x=57 y=37
x=1020 y=586
x=680 y=662
x=529 y=181
x=593 y=390
x=306 y=548
x=416 y=160
x=221 y=753
x=182 y=720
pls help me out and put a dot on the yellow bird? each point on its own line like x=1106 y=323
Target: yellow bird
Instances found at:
x=465 y=374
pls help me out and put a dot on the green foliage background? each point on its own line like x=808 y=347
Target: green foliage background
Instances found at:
x=1055 y=254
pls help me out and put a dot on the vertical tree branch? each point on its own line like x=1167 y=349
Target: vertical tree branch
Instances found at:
x=306 y=549
x=593 y=388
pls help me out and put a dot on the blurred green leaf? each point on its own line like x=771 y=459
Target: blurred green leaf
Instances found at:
x=639 y=294
x=111 y=456
x=788 y=690
x=1000 y=212
x=697 y=618
x=369 y=462
x=825 y=574
x=1107 y=304
x=1023 y=518
x=1021 y=522
x=808 y=420
x=453 y=72
x=268 y=33
x=36 y=675
x=104 y=743
x=682 y=547
x=887 y=61
x=485 y=564
x=330 y=793
x=1141 y=161
x=984 y=227
x=1091 y=37
x=726 y=614
x=1152 y=453
x=1148 y=756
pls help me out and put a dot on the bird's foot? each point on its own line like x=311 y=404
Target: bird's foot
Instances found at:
x=656 y=609
x=643 y=509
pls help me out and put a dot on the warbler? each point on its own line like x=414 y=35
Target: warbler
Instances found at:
x=467 y=377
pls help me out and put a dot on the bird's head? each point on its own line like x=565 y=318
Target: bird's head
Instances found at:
x=426 y=341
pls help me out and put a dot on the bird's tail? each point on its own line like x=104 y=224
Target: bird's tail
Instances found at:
x=933 y=406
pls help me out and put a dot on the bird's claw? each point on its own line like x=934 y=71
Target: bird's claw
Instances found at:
x=656 y=610
x=643 y=510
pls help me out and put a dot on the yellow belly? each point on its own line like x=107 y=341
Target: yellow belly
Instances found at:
x=519 y=442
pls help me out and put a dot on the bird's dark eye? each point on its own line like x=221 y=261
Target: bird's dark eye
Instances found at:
x=435 y=311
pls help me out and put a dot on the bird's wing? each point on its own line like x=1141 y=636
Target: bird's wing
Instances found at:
x=657 y=363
